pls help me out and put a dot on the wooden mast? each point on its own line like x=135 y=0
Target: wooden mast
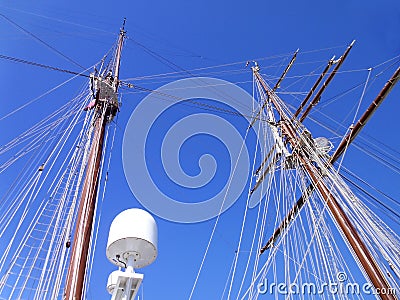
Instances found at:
x=347 y=140
x=315 y=100
x=367 y=261
x=105 y=111
x=317 y=97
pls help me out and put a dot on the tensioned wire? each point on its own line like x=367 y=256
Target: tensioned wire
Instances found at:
x=34 y=218
x=245 y=217
x=369 y=225
x=55 y=220
x=298 y=273
x=146 y=90
x=195 y=72
x=263 y=129
x=69 y=220
x=218 y=217
x=33 y=139
x=243 y=62
x=188 y=71
x=58 y=142
x=61 y=243
x=38 y=253
x=229 y=275
x=36 y=38
x=250 y=251
x=42 y=95
x=73 y=123
x=32 y=160
x=389 y=211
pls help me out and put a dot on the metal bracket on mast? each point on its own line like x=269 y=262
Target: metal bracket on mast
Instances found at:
x=255 y=68
x=107 y=95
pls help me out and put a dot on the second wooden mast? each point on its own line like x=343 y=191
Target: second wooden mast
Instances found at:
x=359 y=248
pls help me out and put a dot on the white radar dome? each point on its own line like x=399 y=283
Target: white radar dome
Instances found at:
x=132 y=233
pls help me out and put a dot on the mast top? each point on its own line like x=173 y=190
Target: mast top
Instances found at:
x=122 y=31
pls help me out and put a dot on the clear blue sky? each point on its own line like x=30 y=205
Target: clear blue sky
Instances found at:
x=191 y=34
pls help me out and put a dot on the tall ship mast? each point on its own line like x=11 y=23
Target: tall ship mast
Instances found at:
x=310 y=228
x=106 y=106
x=302 y=153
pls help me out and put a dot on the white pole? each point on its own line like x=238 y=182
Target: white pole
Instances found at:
x=129 y=269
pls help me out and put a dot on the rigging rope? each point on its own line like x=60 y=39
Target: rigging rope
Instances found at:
x=217 y=218
x=41 y=41
x=41 y=96
x=23 y=61
x=51 y=233
x=295 y=245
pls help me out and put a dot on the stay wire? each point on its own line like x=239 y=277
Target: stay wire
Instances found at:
x=160 y=58
x=235 y=63
x=57 y=20
x=41 y=41
x=217 y=221
x=19 y=60
x=194 y=102
x=41 y=96
x=369 y=195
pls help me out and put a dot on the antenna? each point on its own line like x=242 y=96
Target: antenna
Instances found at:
x=132 y=243
x=123 y=25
